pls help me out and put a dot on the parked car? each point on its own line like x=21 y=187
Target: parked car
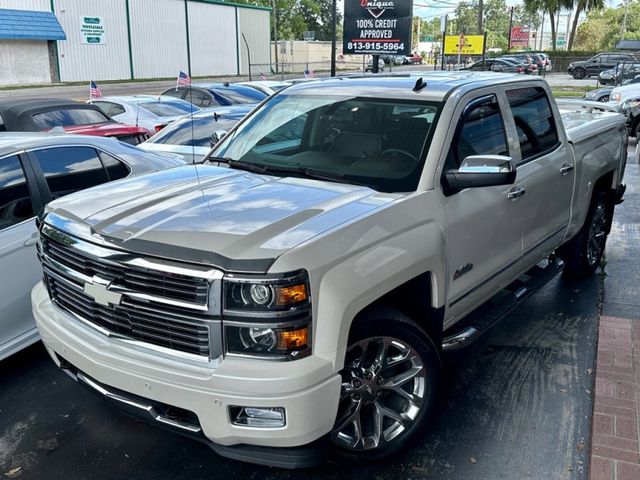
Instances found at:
x=34 y=169
x=206 y=95
x=148 y=111
x=393 y=59
x=530 y=67
x=621 y=74
x=504 y=65
x=369 y=67
x=599 y=94
x=299 y=291
x=268 y=87
x=414 y=59
x=45 y=114
x=192 y=138
x=548 y=67
x=597 y=64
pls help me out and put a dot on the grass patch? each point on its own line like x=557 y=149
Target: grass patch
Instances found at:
x=570 y=91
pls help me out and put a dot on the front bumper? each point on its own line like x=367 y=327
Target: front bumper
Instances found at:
x=308 y=389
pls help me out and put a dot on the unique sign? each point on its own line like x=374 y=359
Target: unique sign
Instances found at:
x=520 y=37
x=463 y=44
x=377 y=27
x=92 y=30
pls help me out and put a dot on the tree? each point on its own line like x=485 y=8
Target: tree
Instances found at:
x=601 y=30
x=552 y=8
x=582 y=5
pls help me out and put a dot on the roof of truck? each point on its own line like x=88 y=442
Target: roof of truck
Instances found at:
x=439 y=84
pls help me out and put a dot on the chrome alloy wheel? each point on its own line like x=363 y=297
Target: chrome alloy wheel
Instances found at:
x=597 y=234
x=383 y=391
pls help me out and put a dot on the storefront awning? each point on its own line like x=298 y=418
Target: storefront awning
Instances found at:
x=29 y=25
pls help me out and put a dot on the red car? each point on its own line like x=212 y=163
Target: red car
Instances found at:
x=38 y=115
x=414 y=59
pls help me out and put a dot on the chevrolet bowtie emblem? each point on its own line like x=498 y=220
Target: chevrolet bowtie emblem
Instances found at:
x=98 y=289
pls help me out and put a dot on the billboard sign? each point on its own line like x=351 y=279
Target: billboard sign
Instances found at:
x=463 y=44
x=377 y=27
x=519 y=37
x=92 y=30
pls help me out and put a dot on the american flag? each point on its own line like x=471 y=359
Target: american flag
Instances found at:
x=184 y=80
x=262 y=76
x=94 y=91
x=308 y=73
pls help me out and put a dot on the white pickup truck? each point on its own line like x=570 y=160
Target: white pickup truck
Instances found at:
x=291 y=297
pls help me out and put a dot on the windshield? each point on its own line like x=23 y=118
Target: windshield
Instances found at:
x=181 y=132
x=168 y=109
x=233 y=97
x=375 y=142
x=67 y=118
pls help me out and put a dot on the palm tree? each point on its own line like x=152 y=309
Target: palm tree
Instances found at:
x=582 y=5
x=552 y=8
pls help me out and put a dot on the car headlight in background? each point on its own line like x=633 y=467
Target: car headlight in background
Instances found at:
x=615 y=97
x=267 y=317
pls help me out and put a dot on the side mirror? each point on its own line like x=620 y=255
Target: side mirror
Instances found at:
x=482 y=171
x=216 y=137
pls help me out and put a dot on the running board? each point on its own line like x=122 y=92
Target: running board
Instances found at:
x=490 y=313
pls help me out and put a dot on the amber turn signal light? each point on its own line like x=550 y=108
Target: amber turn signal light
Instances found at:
x=291 y=294
x=293 y=339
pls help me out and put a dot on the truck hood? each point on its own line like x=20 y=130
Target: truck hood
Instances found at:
x=228 y=218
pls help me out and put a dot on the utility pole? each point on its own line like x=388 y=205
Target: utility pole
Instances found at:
x=275 y=29
x=480 y=17
x=510 y=28
x=542 y=30
x=333 y=38
x=624 y=21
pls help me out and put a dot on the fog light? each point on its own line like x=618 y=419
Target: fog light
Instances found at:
x=258 y=417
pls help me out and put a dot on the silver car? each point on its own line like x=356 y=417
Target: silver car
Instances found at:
x=149 y=111
x=34 y=169
x=268 y=87
x=193 y=137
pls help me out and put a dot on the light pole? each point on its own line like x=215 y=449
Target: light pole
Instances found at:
x=333 y=38
x=275 y=29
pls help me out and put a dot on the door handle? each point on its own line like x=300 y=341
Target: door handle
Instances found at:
x=31 y=241
x=565 y=168
x=516 y=192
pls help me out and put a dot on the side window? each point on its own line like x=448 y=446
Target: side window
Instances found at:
x=480 y=132
x=109 y=108
x=15 y=201
x=69 y=169
x=115 y=168
x=198 y=98
x=174 y=93
x=534 y=121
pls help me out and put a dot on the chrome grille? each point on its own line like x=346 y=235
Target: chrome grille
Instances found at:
x=160 y=306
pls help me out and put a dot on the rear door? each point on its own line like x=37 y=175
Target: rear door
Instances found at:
x=546 y=167
x=19 y=267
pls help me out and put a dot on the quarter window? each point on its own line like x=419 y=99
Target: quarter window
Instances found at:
x=15 y=201
x=534 y=121
x=115 y=168
x=69 y=169
x=109 y=108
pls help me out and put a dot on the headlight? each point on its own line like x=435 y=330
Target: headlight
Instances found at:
x=267 y=317
x=616 y=97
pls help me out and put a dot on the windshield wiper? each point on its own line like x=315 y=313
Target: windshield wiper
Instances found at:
x=249 y=167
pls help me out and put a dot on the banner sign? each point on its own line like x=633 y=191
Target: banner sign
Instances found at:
x=377 y=27
x=519 y=37
x=463 y=44
x=92 y=30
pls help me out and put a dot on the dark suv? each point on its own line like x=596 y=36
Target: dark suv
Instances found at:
x=597 y=64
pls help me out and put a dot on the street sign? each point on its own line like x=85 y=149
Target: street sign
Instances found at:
x=463 y=44
x=309 y=36
x=443 y=23
x=92 y=30
x=377 y=27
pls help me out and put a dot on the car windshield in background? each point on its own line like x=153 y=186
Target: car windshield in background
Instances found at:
x=234 y=98
x=68 y=118
x=198 y=134
x=166 y=109
x=374 y=142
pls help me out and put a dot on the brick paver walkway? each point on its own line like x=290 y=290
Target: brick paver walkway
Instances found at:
x=615 y=446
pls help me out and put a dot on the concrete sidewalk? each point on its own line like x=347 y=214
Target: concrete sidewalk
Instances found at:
x=615 y=442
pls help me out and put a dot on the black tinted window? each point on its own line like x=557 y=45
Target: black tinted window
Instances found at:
x=15 y=202
x=481 y=133
x=115 y=168
x=67 y=118
x=174 y=93
x=69 y=169
x=200 y=98
x=164 y=109
x=534 y=120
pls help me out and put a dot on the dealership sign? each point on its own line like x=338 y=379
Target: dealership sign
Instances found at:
x=92 y=30
x=519 y=37
x=377 y=27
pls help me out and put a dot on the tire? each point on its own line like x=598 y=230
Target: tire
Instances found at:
x=389 y=413
x=582 y=254
x=604 y=99
x=578 y=73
